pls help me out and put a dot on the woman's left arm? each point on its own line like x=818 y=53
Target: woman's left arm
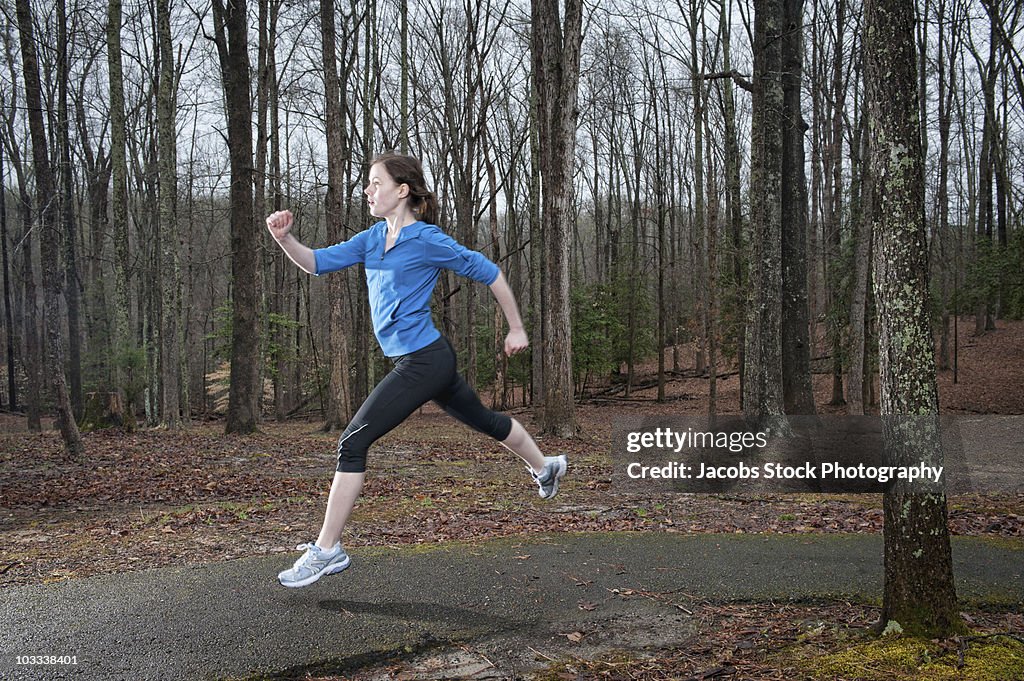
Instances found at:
x=516 y=341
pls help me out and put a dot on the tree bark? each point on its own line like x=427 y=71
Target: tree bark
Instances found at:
x=919 y=591
x=796 y=342
x=555 y=51
x=49 y=236
x=72 y=280
x=762 y=389
x=339 y=398
x=170 y=309
x=231 y=33
x=734 y=202
x=123 y=344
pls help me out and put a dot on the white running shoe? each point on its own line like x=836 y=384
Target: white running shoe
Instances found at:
x=547 y=481
x=314 y=564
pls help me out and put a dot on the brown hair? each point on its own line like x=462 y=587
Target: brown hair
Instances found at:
x=407 y=170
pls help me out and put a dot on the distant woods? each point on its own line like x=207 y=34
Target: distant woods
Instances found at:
x=646 y=182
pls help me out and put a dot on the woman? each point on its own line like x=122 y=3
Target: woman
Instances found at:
x=403 y=255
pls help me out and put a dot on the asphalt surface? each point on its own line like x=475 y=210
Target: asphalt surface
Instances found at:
x=232 y=619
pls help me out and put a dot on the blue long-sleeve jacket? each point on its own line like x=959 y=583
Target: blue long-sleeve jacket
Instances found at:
x=402 y=280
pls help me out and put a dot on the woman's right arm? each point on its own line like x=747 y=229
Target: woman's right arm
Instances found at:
x=280 y=226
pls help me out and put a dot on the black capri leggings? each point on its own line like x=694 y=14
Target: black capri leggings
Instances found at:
x=427 y=374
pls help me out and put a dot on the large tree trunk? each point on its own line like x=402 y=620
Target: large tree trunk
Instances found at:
x=339 y=400
x=170 y=339
x=231 y=32
x=555 y=50
x=123 y=344
x=72 y=281
x=762 y=388
x=796 y=342
x=49 y=236
x=919 y=591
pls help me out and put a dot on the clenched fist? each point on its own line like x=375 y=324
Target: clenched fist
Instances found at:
x=280 y=223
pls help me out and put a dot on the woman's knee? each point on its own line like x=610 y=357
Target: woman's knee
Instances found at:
x=351 y=462
x=352 y=452
x=501 y=426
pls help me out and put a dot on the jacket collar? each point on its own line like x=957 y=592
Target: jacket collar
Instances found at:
x=408 y=232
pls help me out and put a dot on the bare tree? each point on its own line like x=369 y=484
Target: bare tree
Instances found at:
x=170 y=308
x=339 y=402
x=762 y=388
x=555 y=49
x=68 y=218
x=123 y=343
x=231 y=34
x=798 y=395
x=919 y=591
x=49 y=237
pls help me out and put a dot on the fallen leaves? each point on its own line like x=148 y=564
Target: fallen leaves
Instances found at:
x=157 y=496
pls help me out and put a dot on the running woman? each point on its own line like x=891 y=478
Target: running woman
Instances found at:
x=403 y=255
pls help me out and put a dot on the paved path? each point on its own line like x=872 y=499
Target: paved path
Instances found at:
x=232 y=620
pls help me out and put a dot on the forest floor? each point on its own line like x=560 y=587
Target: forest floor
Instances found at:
x=156 y=497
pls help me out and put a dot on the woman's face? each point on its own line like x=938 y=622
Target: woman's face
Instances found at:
x=383 y=194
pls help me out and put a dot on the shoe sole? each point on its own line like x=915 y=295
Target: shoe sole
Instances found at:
x=563 y=465
x=329 y=570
